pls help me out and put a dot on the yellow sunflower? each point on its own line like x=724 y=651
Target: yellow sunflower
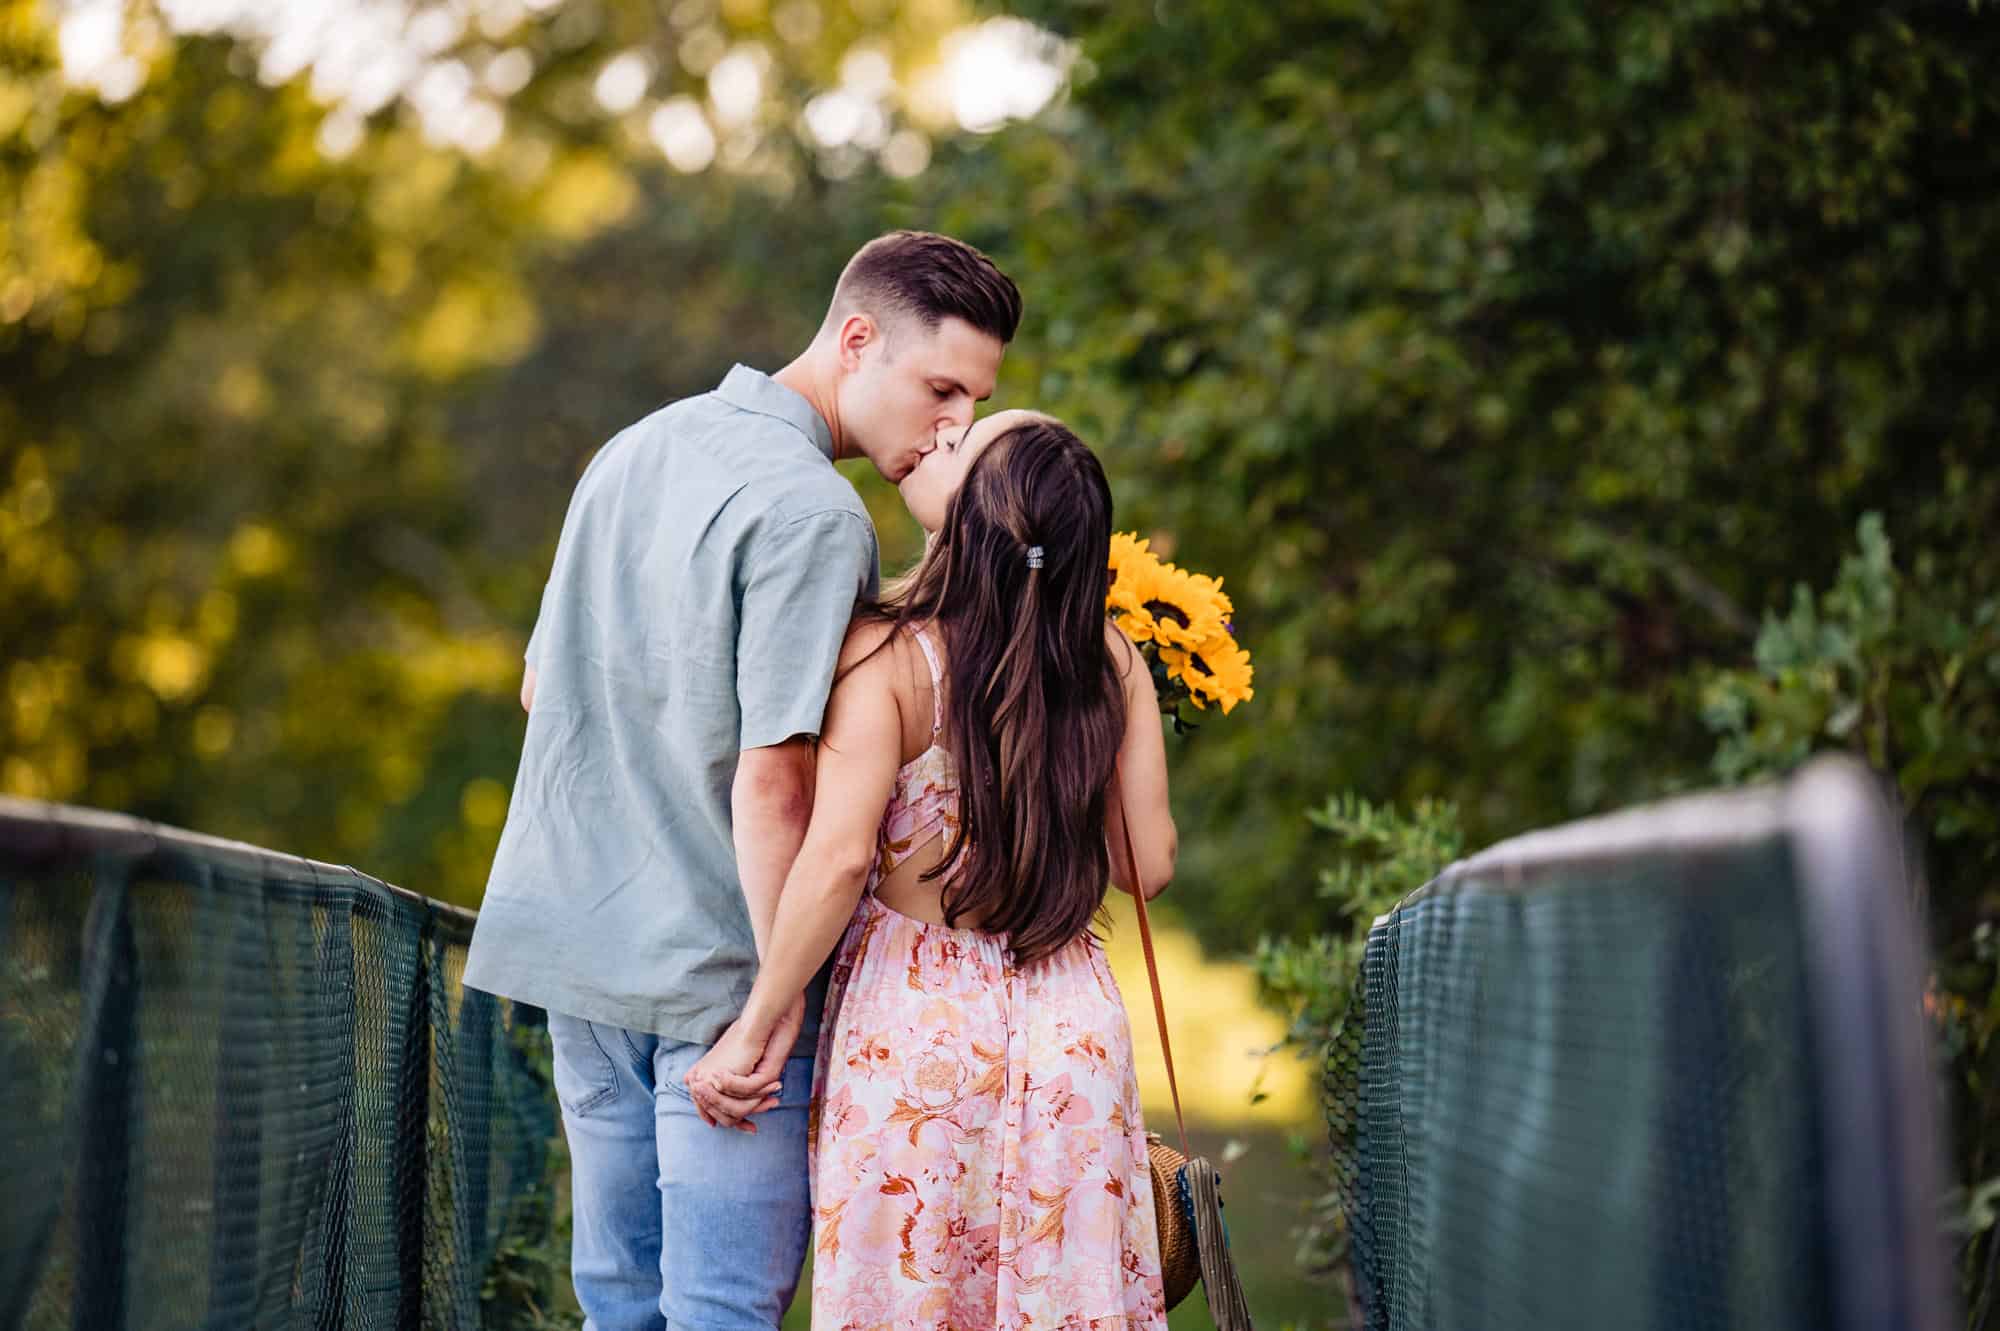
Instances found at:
x=1218 y=672
x=1134 y=587
x=1182 y=621
x=1187 y=608
x=1221 y=598
x=1128 y=548
x=1131 y=562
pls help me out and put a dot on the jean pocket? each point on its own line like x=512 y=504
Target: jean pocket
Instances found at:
x=585 y=1075
x=672 y=1064
x=796 y=1078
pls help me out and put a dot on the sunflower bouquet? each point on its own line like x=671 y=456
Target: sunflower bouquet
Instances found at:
x=1182 y=623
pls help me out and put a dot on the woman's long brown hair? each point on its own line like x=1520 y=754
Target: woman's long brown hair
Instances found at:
x=1034 y=710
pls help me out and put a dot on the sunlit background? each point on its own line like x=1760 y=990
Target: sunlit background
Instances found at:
x=1579 y=407
x=916 y=70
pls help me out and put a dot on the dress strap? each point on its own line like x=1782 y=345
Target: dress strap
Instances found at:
x=937 y=682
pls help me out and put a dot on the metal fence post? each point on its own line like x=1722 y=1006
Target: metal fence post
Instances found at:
x=107 y=1100
x=239 y=1104
x=413 y=1090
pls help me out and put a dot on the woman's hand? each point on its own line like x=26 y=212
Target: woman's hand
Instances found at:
x=739 y=1076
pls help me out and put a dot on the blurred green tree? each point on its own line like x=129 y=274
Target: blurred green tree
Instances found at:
x=293 y=408
x=1506 y=361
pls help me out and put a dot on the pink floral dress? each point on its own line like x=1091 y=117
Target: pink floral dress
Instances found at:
x=978 y=1154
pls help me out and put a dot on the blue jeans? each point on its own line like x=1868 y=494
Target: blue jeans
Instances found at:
x=678 y=1226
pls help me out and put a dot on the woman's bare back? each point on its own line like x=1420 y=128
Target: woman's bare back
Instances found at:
x=904 y=889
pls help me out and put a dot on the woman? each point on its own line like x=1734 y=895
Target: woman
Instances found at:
x=979 y=1157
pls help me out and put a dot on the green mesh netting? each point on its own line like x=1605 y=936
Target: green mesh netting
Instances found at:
x=1591 y=1080
x=242 y=1089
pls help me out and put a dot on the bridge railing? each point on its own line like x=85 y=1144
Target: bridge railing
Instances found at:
x=1662 y=1070
x=240 y=1088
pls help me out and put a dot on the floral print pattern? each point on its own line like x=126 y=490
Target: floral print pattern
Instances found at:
x=979 y=1159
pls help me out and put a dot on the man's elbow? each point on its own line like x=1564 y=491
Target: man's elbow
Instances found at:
x=528 y=690
x=778 y=804
x=775 y=785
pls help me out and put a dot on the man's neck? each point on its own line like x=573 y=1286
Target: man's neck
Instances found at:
x=808 y=378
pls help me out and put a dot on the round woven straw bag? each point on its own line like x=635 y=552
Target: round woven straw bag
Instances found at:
x=1180 y=1255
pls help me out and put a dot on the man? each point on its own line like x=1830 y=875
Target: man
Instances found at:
x=708 y=566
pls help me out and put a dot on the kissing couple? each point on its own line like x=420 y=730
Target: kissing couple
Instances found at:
x=803 y=866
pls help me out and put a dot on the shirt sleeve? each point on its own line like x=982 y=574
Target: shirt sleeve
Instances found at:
x=804 y=579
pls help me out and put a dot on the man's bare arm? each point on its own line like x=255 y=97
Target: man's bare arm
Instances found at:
x=528 y=690
x=771 y=803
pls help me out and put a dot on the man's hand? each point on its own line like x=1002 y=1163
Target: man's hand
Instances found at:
x=740 y=1076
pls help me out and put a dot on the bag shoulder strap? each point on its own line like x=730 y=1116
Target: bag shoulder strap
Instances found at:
x=1152 y=964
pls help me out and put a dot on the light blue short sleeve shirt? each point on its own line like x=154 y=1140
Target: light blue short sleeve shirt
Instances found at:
x=708 y=567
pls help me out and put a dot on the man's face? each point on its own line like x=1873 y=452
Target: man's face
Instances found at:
x=903 y=390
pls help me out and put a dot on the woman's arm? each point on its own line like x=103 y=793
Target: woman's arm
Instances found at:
x=1140 y=787
x=860 y=743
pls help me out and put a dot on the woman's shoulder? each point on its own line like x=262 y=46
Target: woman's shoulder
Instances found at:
x=1123 y=650
x=886 y=654
x=867 y=638
x=1134 y=676
x=882 y=659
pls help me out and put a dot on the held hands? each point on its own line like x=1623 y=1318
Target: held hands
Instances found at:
x=740 y=1075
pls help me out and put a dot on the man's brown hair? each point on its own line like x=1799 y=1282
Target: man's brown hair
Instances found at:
x=932 y=277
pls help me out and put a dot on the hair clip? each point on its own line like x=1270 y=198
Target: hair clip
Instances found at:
x=1034 y=556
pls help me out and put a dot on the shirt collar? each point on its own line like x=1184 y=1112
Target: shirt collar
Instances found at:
x=753 y=390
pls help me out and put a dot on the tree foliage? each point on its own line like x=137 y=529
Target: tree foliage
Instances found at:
x=288 y=434
x=1507 y=364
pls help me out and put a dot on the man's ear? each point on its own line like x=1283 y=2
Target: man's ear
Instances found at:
x=858 y=331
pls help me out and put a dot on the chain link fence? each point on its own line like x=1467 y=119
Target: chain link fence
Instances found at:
x=244 y=1089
